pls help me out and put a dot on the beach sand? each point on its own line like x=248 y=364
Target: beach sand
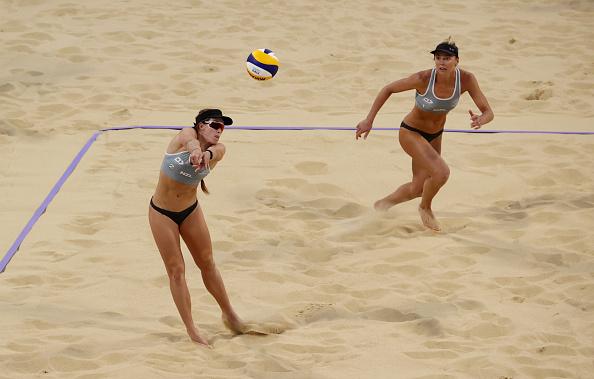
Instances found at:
x=506 y=290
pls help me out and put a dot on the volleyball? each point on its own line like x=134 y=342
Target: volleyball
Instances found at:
x=262 y=64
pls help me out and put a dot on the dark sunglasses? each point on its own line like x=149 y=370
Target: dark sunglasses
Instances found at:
x=216 y=125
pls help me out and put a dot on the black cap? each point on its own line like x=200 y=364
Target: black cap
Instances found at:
x=445 y=47
x=205 y=114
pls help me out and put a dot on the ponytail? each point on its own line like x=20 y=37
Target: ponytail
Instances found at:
x=203 y=187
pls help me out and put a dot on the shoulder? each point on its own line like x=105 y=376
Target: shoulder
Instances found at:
x=416 y=81
x=419 y=79
x=468 y=81
x=467 y=76
x=180 y=140
x=188 y=133
x=422 y=75
x=185 y=135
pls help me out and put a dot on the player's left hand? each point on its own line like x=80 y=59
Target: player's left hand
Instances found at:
x=475 y=120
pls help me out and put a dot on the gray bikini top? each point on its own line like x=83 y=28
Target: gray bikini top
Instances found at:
x=431 y=103
x=177 y=166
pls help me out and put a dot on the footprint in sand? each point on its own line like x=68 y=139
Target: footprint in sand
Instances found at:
x=317 y=311
x=88 y=225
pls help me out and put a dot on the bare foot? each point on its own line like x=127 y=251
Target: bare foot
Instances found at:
x=237 y=326
x=383 y=205
x=196 y=337
x=429 y=219
x=234 y=324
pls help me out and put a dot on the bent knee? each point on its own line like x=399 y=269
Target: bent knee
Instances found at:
x=441 y=175
x=441 y=178
x=206 y=262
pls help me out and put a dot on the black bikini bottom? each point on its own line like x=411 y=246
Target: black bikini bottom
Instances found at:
x=177 y=217
x=428 y=136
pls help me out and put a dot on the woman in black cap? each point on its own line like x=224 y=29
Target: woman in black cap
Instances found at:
x=174 y=212
x=437 y=92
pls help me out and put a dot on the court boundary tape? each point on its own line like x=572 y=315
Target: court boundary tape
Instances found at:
x=56 y=188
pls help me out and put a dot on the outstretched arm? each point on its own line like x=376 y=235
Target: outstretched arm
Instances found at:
x=480 y=100
x=216 y=152
x=411 y=82
x=186 y=140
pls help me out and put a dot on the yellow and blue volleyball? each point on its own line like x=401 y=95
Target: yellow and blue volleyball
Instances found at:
x=262 y=64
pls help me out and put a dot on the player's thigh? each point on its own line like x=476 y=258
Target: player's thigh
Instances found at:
x=425 y=157
x=195 y=234
x=166 y=235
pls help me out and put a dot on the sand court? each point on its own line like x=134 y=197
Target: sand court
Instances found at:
x=504 y=291
x=300 y=247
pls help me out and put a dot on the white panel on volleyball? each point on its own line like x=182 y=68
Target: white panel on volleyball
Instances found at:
x=259 y=71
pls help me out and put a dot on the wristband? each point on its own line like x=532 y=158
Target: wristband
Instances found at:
x=211 y=154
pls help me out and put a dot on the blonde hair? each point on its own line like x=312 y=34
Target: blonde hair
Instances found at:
x=450 y=41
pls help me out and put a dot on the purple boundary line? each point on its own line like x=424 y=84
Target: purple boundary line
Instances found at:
x=53 y=192
x=41 y=210
x=469 y=131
